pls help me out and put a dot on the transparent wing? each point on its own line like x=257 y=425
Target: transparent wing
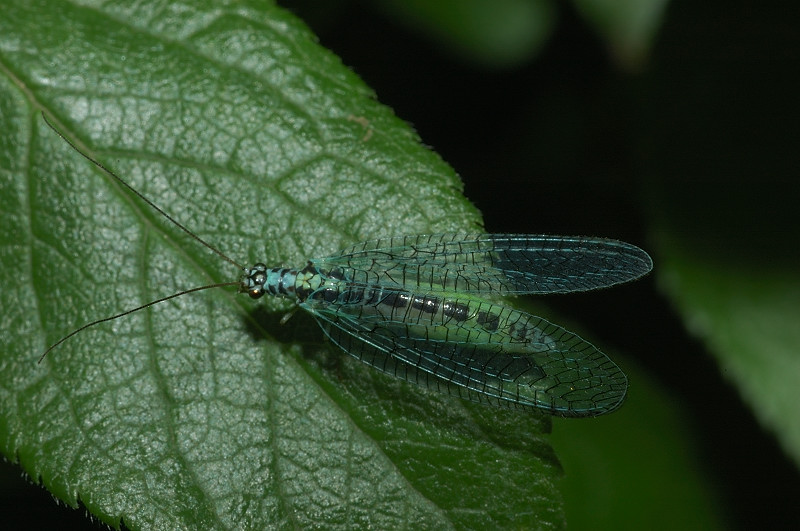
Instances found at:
x=525 y=362
x=491 y=263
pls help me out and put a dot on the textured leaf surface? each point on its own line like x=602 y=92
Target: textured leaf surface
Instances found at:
x=204 y=412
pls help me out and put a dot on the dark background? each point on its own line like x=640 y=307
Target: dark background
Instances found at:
x=711 y=116
x=709 y=123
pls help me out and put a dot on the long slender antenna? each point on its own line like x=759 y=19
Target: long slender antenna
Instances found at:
x=123 y=314
x=140 y=195
x=160 y=211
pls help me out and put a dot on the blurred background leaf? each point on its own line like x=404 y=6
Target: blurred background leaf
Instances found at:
x=693 y=152
x=497 y=34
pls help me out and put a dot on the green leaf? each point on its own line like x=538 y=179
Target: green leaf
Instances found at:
x=204 y=412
